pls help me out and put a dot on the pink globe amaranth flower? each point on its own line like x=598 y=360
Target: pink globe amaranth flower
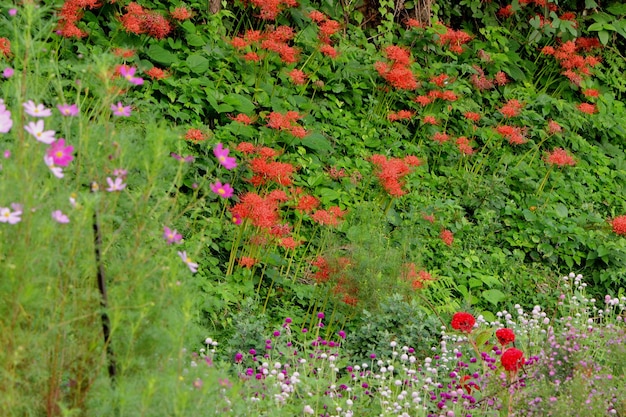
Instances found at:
x=8 y=72
x=61 y=155
x=221 y=154
x=223 y=190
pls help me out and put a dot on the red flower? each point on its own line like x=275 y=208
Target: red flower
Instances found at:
x=587 y=108
x=464 y=145
x=463 y=322
x=328 y=50
x=619 y=225
x=156 y=73
x=297 y=76
x=591 y=92
x=180 y=13
x=512 y=359
x=554 y=127
x=505 y=336
x=247 y=262
x=195 y=135
x=560 y=157
x=431 y=120
x=242 y=118
x=511 y=108
x=447 y=237
x=5 y=47
x=474 y=117
x=307 y=203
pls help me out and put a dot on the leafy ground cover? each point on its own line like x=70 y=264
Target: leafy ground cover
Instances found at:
x=340 y=195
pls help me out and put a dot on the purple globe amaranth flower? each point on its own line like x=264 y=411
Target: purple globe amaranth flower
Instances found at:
x=221 y=154
x=61 y=155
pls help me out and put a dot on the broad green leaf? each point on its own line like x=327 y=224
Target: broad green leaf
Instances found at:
x=604 y=37
x=241 y=103
x=317 y=142
x=197 y=63
x=494 y=296
x=161 y=55
x=561 y=210
x=195 y=40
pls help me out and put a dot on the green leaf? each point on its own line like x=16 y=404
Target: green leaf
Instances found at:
x=195 y=40
x=161 y=55
x=494 y=296
x=197 y=63
x=317 y=142
x=604 y=37
x=561 y=211
x=241 y=103
x=482 y=337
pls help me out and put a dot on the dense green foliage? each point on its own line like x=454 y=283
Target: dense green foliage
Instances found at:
x=394 y=165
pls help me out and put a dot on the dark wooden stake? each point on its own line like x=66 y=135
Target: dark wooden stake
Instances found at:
x=106 y=322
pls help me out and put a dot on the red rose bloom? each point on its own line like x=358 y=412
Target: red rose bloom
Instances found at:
x=463 y=322
x=505 y=336
x=512 y=359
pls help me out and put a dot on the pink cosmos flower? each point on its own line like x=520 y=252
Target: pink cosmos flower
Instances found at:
x=187 y=260
x=188 y=158
x=117 y=185
x=68 y=109
x=120 y=172
x=59 y=217
x=221 y=154
x=56 y=171
x=120 y=110
x=37 y=130
x=36 y=110
x=8 y=216
x=171 y=236
x=223 y=190
x=6 y=123
x=61 y=155
x=128 y=73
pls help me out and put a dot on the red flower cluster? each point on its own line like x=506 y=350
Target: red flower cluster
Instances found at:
x=156 y=73
x=271 y=8
x=447 y=237
x=418 y=279
x=265 y=169
x=247 y=262
x=464 y=145
x=327 y=27
x=261 y=211
x=5 y=47
x=195 y=135
x=327 y=270
x=587 y=108
x=330 y=217
x=243 y=119
x=454 y=39
x=139 y=21
x=505 y=336
x=298 y=77
x=71 y=12
x=474 y=117
x=575 y=66
x=401 y=115
x=463 y=322
x=397 y=72
x=429 y=120
x=560 y=157
x=180 y=13
x=554 y=127
x=619 y=225
x=512 y=359
x=512 y=108
x=480 y=80
x=288 y=122
x=514 y=134
x=391 y=171
x=307 y=203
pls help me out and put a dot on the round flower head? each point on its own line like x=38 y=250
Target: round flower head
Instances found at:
x=619 y=225
x=463 y=322
x=512 y=359
x=505 y=336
